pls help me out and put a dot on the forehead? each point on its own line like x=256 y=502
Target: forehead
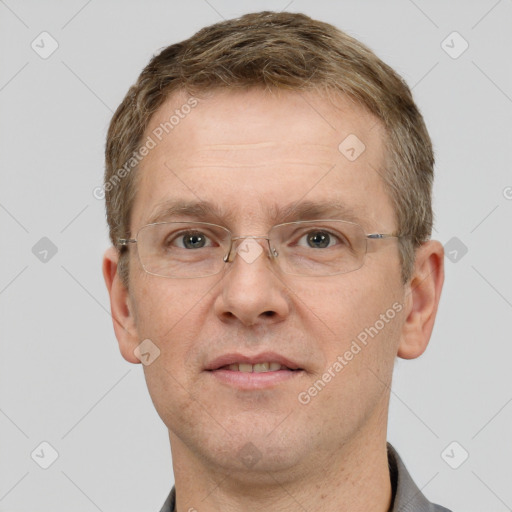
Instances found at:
x=253 y=152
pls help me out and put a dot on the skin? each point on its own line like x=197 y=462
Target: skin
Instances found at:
x=244 y=151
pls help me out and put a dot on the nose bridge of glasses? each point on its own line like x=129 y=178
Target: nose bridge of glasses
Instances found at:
x=236 y=242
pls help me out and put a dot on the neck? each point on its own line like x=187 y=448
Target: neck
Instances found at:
x=354 y=477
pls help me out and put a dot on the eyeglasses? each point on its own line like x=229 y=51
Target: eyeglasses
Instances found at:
x=200 y=249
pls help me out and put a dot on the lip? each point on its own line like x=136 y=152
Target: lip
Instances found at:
x=252 y=380
x=263 y=357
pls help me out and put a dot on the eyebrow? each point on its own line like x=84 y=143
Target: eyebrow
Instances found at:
x=303 y=210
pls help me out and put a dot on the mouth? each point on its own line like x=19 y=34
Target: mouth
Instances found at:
x=256 y=368
x=256 y=372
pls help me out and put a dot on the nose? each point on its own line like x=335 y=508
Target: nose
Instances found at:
x=251 y=290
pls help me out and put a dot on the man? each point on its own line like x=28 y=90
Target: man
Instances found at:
x=268 y=192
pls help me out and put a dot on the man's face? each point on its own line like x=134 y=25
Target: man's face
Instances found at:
x=249 y=152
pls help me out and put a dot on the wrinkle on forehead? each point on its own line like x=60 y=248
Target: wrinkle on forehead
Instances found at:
x=257 y=154
x=261 y=146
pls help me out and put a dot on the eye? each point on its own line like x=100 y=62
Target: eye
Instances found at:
x=188 y=240
x=321 y=238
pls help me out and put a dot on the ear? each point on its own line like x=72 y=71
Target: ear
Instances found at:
x=120 y=307
x=422 y=299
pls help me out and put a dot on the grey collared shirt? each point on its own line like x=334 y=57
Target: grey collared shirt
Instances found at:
x=406 y=495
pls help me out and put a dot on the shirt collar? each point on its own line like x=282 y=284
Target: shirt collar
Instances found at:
x=406 y=495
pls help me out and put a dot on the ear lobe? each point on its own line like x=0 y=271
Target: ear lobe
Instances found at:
x=121 y=311
x=423 y=294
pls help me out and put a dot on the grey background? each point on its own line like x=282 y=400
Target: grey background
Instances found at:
x=62 y=378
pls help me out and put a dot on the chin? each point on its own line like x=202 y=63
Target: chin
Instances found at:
x=254 y=453
x=248 y=461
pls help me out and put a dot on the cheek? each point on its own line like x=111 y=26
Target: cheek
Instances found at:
x=168 y=315
x=164 y=306
x=362 y=323
x=358 y=318
x=174 y=315
x=343 y=306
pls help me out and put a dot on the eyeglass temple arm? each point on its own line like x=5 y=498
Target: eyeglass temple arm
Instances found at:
x=126 y=241
x=378 y=236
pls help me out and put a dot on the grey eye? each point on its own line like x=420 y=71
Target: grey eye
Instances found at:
x=194 y=240
x=187 y=240
x=319 y=239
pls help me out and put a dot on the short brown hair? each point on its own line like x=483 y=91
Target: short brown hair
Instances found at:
x=279 y=51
